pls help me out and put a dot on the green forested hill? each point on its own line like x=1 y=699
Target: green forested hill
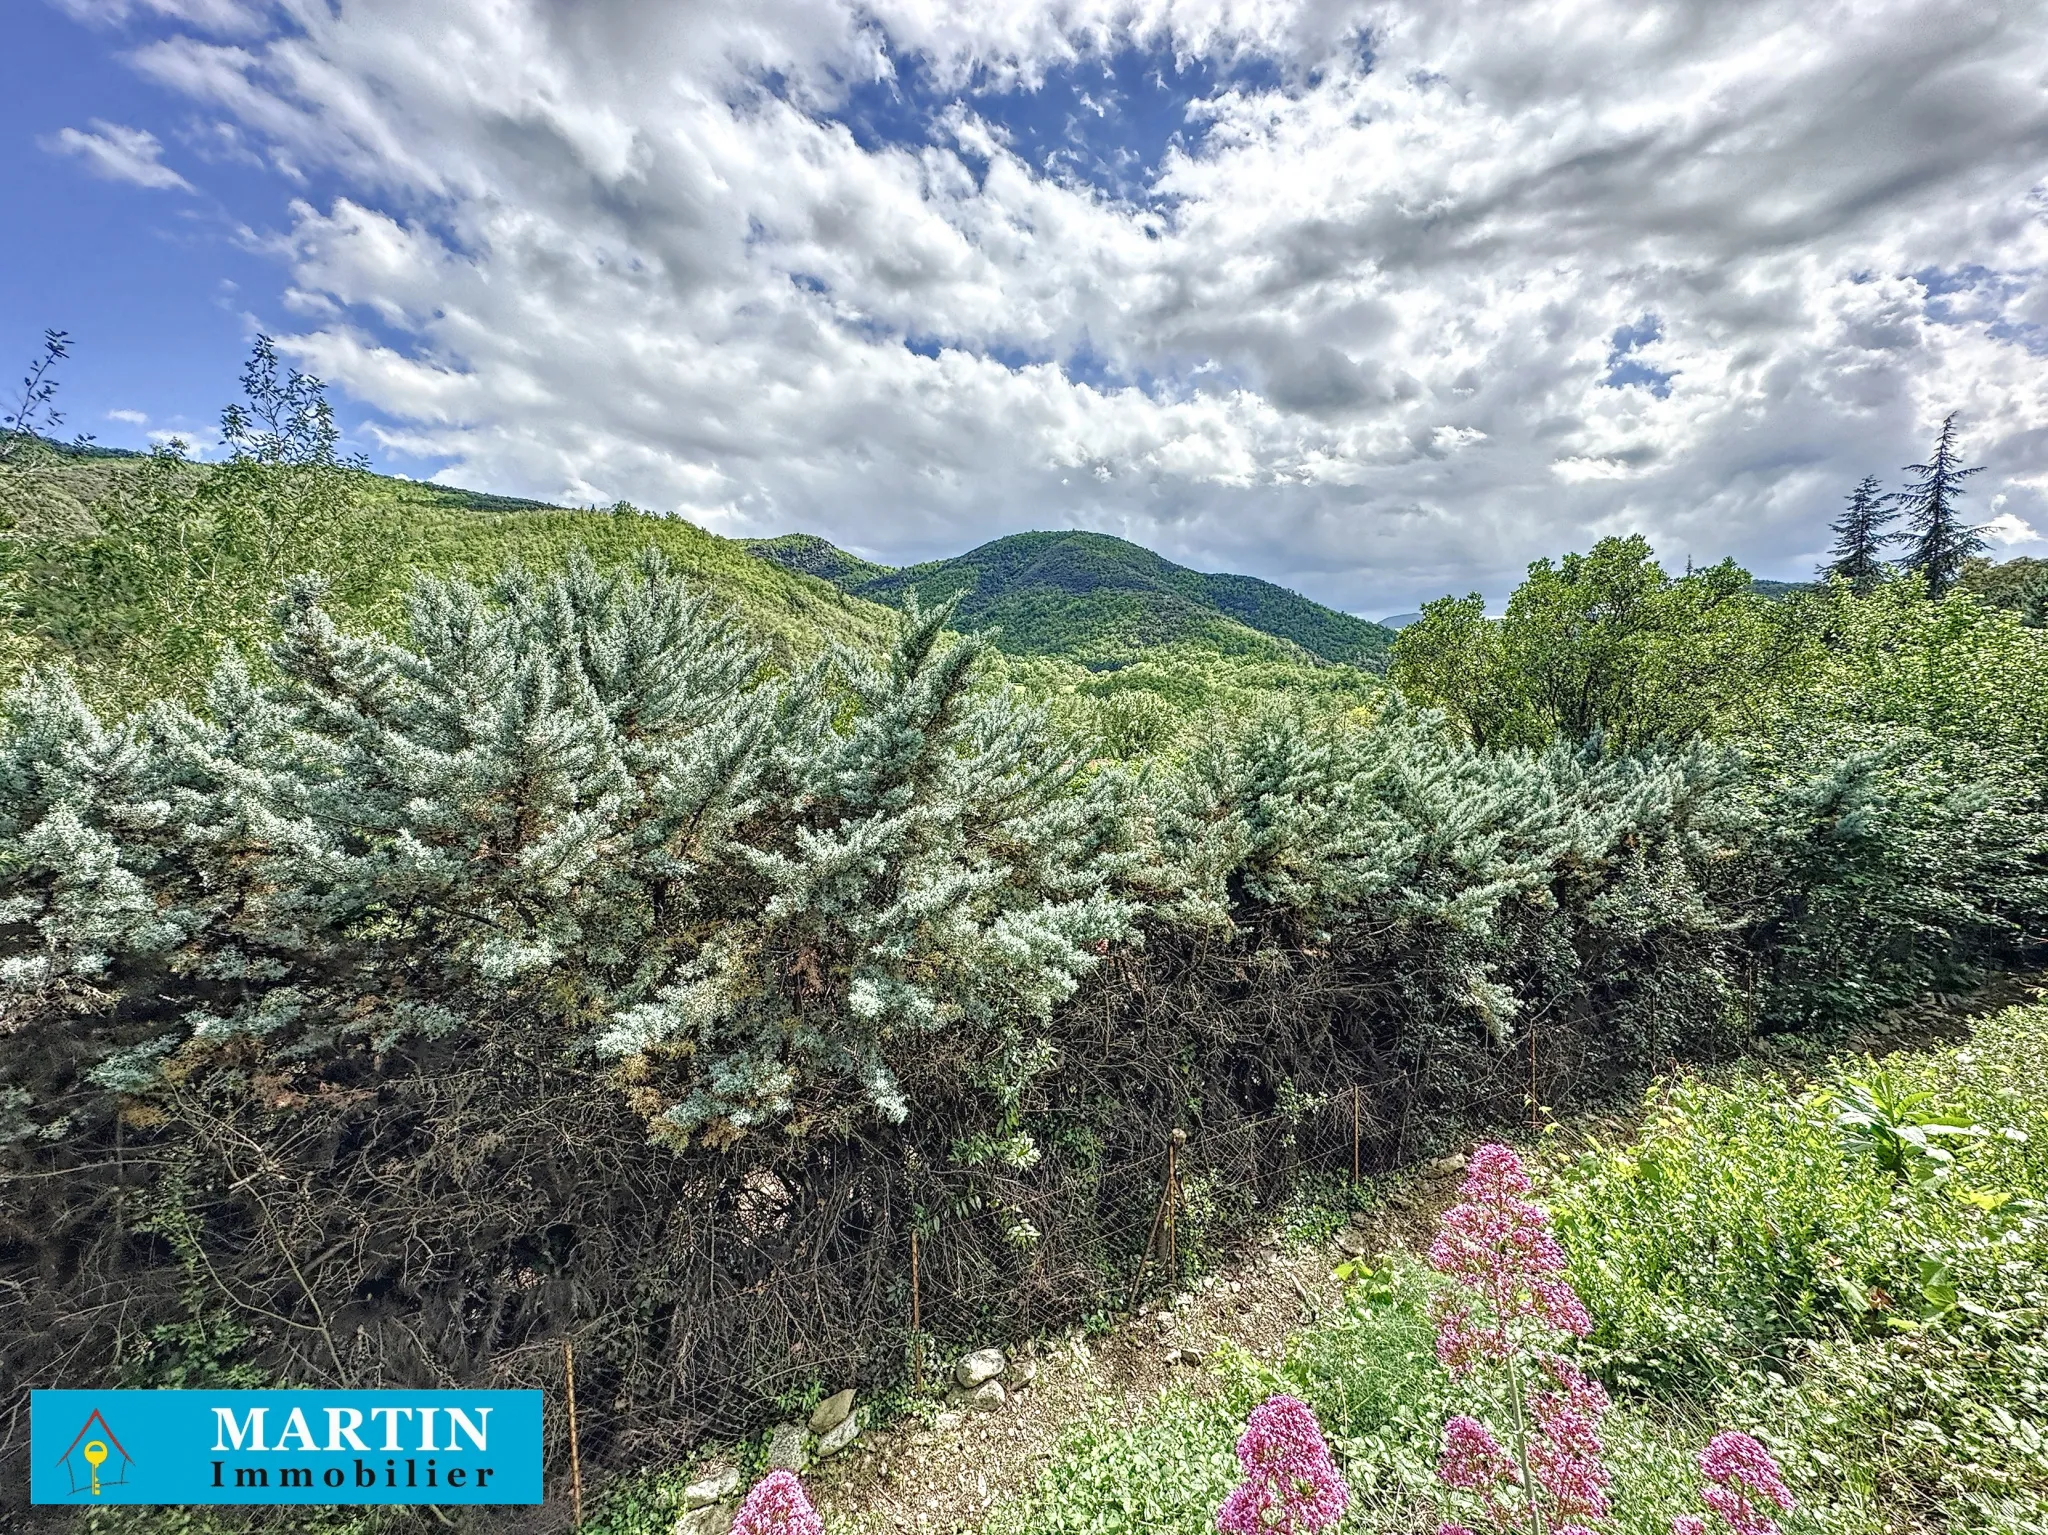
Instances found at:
x=135 y=569
x=1099 y=599
x=814 y=556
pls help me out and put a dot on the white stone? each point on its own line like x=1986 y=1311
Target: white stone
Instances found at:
x=948 y=1421
x=839 y=1436
x=789 y=1448
x=832 y=1412
x=1022 y=1372
x=983 y=1364
x=989 y=1396
x=712 y=1519
x=714 y=1488
x=1352 y=1241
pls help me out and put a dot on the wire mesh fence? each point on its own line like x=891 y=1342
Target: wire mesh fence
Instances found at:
x=461 y=1228
x=1105 y=1237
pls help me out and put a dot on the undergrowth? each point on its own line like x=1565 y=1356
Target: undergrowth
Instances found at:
x=1850 y=1269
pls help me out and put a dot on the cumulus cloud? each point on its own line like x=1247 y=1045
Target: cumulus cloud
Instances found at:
x=2007 y=528
x=1381 y=302
x=119 y=154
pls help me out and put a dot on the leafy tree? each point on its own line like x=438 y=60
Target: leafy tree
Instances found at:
x=2018 y=584
x=1602 y=644
x=27 y=466
x=184 y=560
x=1938 y=540
x=25 y=430
x=1857 y=556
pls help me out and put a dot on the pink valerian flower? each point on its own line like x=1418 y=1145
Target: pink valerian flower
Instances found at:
x=777 y=1505
x=1500 y=1245
x=1291 y=1485
x=1688 y=1524
x=1471 y=1459
x=1452 y=1529
x=1510 y=1269
x=1462 y=1342
x=1564 y=1457
x=1741 y=1480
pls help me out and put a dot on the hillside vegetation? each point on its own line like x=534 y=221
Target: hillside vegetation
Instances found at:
x=1846 y=1262
x=651 y=948
x=1099 y=600
x=136 y=569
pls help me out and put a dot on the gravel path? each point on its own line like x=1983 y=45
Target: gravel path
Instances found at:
x=945 y=1478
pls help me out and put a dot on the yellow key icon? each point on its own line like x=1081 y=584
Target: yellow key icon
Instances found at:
x=95 y=1453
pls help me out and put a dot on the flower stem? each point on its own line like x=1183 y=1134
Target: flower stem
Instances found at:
x=1522 y=1443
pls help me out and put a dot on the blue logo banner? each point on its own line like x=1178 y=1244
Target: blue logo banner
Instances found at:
x=90 y=1447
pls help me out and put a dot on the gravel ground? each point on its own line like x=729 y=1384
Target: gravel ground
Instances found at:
x=944 y=1479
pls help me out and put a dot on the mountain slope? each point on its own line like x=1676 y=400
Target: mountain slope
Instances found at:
x=1100 y=599
x=72 y=502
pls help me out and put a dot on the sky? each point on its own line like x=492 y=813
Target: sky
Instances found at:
x=1379 y=301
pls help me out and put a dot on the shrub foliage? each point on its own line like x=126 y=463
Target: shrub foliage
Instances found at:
x=562 y=961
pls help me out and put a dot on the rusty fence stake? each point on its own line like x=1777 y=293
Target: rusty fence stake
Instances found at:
x=1163 y=1220
x=575 y=1457
x=916 y=1327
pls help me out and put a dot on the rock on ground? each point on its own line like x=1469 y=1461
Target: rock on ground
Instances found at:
x=983 y=1364
x=839 y=1436
x=989 y=1396
x=789 y=1448
x=712 y=1519
x=832 y=1412
x=710 y=1489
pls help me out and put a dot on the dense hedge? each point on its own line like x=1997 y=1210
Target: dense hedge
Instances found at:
x=566 y=970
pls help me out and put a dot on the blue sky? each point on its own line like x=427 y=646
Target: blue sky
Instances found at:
x=1379 y=300
x=149 y=284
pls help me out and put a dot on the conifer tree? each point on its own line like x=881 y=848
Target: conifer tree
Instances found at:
x=1858 y=553
x=1937 y=538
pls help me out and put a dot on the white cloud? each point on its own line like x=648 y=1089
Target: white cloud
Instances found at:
x=228 y=18
x=2006 y=528
x=584 y=252
x=132 y=417
x=119 y=154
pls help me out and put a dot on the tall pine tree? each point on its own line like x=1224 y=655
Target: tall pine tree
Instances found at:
x=1857 y=556
x=1939 y=541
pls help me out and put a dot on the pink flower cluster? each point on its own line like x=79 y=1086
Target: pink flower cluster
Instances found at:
x=1563 y=1456
x=1742 y=1480
x=777 y=1505
x=1499 y=1245
x=1290 y=1486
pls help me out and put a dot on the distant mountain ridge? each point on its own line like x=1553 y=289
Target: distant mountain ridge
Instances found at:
x=1099 y=599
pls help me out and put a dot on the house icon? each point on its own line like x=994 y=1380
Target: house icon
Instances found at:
x=95 y=1458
